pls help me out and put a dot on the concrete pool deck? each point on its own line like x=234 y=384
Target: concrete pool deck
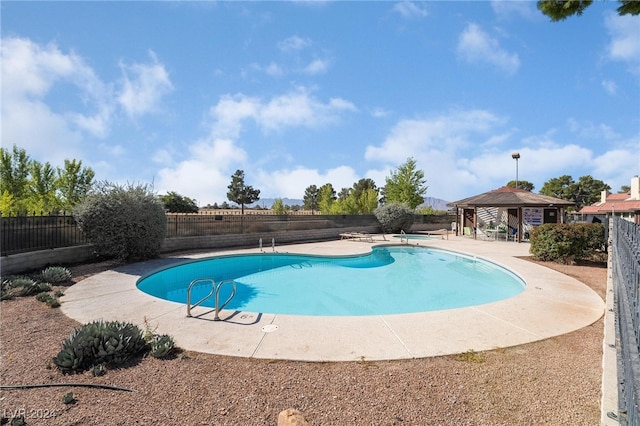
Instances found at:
x=552 y=304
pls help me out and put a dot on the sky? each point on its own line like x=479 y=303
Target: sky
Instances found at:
x=180 y=95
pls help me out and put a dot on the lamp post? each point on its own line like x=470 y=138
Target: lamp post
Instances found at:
x=515 y=156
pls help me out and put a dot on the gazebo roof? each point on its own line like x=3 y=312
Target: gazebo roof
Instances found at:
x=510 y=197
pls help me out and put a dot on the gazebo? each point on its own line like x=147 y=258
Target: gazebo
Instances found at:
x=508 y=211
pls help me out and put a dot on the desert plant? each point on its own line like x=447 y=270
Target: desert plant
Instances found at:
x=48 y=299
x=128 y=223
x=56 y=275
x=394 y=217
x=99 y=342
x=17 y=286
x=161 y=346
x=68 y=398
x=98 y=370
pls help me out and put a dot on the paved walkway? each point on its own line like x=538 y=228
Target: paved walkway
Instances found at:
x=552 y=304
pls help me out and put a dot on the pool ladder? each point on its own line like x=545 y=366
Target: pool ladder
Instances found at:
x=215 y=291
x=403 y=236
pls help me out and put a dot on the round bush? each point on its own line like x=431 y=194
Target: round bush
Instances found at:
x=394 y=217
x=128 y=223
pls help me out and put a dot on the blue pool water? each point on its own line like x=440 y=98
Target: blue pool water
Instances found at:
x=389 y=280
x=413 y=237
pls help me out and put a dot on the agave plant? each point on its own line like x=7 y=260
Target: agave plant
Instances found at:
x=100 y=342
x=161 y=346
x=56 y=275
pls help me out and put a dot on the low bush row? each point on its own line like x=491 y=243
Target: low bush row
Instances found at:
x=567 y=243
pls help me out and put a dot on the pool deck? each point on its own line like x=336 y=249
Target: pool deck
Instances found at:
x=552 y=304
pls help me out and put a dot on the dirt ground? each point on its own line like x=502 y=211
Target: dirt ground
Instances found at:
x=552 y=382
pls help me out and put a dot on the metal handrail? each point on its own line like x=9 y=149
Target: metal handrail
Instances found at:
x=215 y=290
x=405 y=236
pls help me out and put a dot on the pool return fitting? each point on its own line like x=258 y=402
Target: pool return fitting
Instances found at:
x=215 y=291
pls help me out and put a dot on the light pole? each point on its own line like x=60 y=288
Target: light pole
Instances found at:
x=515 y=156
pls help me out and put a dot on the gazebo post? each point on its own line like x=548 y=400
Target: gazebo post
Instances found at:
x=475 y=222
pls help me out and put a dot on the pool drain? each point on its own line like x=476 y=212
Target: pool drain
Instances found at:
x=269 y=328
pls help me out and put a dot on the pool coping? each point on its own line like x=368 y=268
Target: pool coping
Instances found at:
x=551 y=304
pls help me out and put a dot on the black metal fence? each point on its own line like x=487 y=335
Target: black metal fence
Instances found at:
x=31 y=233
x=626 y=281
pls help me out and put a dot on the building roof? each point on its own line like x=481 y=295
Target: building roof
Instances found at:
x=613 y=203
x=511 y=197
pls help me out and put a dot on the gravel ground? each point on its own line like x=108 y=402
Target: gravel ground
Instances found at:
x=554 y=382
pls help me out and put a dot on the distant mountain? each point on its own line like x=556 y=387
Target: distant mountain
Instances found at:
x=435 y=203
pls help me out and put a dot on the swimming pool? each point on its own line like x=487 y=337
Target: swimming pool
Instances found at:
x=389 y=280
x=413 y=237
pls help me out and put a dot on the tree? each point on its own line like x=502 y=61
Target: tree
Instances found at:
x=522 y=184
x=366 y=194
x=559 y=10
x=624 y=189
x=176 y=203
x=405 y=185
x=310 y=198
x=14 y=180
x=326 y=198
x=239 y=192
x=278 y=206
x=42 y=188
x=126 y=222
x=74 y=183
x=584 y=192
x=29 y=186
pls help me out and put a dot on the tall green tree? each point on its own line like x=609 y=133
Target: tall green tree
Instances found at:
x=176 y=203
x=14 y=180
x=310 y=199
x=405 y=185
x=278 y=207
x=43 y=188
x=522 y=184
x=74 y=183
x=584 y=192
x=559 y=10
x=366 y=194
x=326 y=198
x=241 y=193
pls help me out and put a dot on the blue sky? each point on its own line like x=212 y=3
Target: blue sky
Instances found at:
x=182 y=94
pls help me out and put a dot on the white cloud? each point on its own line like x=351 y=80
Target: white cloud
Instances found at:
x=207 y=172
x=610 y=86
x=294 y=109
x=274 y=70
x=294 y=43
x=143 y=86
x=506 y=9
x=625 y=38
x=409 y=9
x=29 y=73
x=445 y=132
x=291 y=183
x=318 y=66
x=476 y=47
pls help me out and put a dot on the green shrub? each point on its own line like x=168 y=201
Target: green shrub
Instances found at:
x=48 y=299
x=394 y=217
x=127 y=223
x=18 y=286
x=565 y=243
x=100 y=342
x=161 y=346
x=56 y=275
